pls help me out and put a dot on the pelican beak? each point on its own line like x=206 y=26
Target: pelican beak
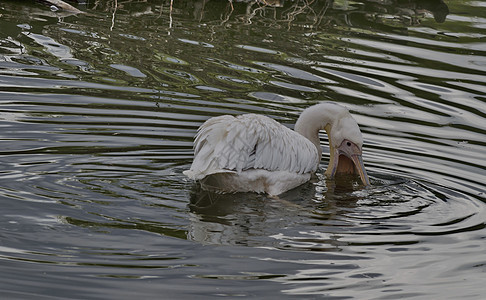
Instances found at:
x=347 y=158
x=360 y=168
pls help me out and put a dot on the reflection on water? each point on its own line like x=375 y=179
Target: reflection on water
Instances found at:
x=98 y=111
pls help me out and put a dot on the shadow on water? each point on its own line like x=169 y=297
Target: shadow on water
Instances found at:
x=393 y=212
x=250 y=218
x=325 y=190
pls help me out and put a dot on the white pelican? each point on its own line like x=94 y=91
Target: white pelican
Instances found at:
x=254 y=153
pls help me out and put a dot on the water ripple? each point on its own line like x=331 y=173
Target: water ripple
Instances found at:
x=98 y=120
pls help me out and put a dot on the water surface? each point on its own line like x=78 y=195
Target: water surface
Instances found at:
x=98 y=112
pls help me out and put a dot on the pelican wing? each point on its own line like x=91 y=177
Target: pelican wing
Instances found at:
x=235 y=144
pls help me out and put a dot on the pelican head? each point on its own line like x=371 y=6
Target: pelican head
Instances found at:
x=345 y=139
x=347 y=159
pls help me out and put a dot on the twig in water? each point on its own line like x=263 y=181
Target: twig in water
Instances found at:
x=113 y=16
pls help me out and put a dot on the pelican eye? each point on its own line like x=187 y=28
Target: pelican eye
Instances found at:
x=349 y=144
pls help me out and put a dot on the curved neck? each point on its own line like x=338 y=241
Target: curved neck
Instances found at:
x=316 y=118
x=340 y=126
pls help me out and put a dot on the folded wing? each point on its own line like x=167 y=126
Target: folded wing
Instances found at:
x=235 y=144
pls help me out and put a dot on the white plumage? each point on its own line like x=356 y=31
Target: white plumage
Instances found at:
x=255 y=153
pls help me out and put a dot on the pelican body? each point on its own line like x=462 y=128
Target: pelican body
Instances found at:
x=254 y=153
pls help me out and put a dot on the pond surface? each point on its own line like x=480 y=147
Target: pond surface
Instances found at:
x=98 y=111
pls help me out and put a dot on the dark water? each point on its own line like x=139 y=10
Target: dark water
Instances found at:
x=98 y=112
